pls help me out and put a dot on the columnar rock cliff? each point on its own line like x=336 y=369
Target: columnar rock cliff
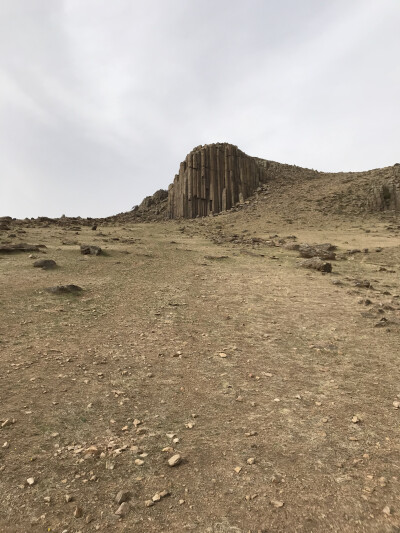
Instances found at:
x=213 y=178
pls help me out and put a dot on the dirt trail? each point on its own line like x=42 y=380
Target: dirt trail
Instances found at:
x=274 y=383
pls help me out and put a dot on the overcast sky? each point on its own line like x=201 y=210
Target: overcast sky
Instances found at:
x=100 y=100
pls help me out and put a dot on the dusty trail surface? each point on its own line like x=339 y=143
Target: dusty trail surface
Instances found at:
x=278 y=386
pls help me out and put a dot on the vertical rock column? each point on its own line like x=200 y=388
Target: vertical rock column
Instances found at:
x=213 y=178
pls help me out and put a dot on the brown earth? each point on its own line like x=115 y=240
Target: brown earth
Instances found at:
x=280 y=383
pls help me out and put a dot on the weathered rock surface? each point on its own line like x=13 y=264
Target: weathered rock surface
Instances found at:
x=87 y=249
x=386 y=195
x=45 y=264
x=213 y=178
x=157 y=198
x=316 y=263
x=323 y=251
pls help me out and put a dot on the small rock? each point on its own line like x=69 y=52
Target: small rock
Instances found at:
x=156 y=497
x=123 y=509
x=69 y=498
x=238 y=469
x=92 y=451
x=355 y=420
x=387 y=510
x=30 y=480
x=139 y=462
x=78 y=512
x=149 y=503
x=175 y=460
x=317 y=264
x=87 y=249
x=251 y=461
x=277 y=503
x=45 y=264
x=7 y=422
x=396 y=405
x=122 y=496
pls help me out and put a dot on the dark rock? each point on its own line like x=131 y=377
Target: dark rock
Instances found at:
x=323 y=251
x=65 y=289
x=292 y=246
x=122 y=496
x=87 y=249
x=316 y=263
x=354 y=251
x=22 y=247
x=45 y=264
x=94 y=227
x=363 y=283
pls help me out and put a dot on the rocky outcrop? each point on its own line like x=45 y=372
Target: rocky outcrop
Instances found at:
x=386 y=195
x=218 y=177
x=214 y=178
x=155 y=200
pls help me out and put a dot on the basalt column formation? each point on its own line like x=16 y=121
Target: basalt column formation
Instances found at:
x=213 y=178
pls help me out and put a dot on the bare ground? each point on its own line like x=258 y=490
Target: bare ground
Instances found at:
x=293 y=429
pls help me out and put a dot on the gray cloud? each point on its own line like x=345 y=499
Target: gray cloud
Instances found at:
x=100 y=101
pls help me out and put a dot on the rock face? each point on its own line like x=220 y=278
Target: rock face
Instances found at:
x=214 y=178
x=386 y=196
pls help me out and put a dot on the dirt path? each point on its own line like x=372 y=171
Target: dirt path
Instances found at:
x=291 y=429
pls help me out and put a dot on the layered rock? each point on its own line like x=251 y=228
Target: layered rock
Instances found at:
x=386 y=196
x=214 y=178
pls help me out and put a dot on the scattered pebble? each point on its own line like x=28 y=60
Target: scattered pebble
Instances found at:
x=175 y=460
x=277 y=503
x=78 y=513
